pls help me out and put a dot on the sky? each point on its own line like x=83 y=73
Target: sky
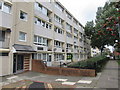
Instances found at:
x=83 y=10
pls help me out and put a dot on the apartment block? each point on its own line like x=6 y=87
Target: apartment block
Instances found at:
x=41 y=30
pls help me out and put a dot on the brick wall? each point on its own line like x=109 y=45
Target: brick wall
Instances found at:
x=39 y=66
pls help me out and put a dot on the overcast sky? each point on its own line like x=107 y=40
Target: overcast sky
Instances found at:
x=83 y=10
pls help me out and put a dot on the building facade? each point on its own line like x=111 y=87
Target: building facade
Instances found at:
x=39 y=30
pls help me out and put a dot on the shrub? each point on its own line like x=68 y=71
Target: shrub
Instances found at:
x=96 y=63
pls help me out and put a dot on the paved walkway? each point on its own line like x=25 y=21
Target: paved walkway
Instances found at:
x=108 y=78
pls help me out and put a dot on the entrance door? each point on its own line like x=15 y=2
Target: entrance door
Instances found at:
x=20 y=59
x=18 y=63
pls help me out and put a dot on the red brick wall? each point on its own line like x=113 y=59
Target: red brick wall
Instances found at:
x=39 y=66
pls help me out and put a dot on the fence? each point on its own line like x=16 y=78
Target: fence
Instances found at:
x=39 y=66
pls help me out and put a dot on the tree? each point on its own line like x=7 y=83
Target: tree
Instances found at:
x=89 y=29
x=106 y=29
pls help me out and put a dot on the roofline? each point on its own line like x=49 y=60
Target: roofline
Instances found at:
x=69 y=12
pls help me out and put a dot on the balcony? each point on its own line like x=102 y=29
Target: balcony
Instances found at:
x=39 y=14
x=60 y=37
x=76 y=51
x=6 y=20
x=58 y=24
x=69 y=50
x=69 y=40
x=43 y=32
x=4 y=44
x=56 y=49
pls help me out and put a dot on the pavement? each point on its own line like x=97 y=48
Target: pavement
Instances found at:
x=107 y=79
x=110 y=76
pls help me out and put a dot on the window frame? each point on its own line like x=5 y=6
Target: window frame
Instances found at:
x=24 y=36
x=23 y=15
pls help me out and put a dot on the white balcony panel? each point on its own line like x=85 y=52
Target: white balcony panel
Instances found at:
x=76 y=51
x=46 y=4
x=5 y=20
x=39 y=14
x=81 y=44
x=45 y=48
x=58 y=49
x=43 y=32
x=69 y=50
x=69 y=40
x=69 y=21
x=76 y=43
x=76 y=26
x=58 y=24
x=59 y=13
x=59 y=37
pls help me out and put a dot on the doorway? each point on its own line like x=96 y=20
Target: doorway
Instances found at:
x=18 y=63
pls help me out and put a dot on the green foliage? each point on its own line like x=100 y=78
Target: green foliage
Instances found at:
x=96 y=63
x=118 y=61
x=89 y=29
x=105 y=31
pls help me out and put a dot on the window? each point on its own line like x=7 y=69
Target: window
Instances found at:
x=23 y=15
x=58 y=19
x=42 y=9
x=35 y=38
x=40 y=56
x=75 y=21
x=7 y=8
x=69 y=46
x=75 y=38
x=69 y=27
x=68 y=15
x=58 y=30
x=38 y=6
x=42 y=23
x=22 y=36
x=58 y=57
x=4 y=54
x=40 y=41
x=57 y=44
x=75 y=31
x=2 y=35
x=76 y=47
x=69 y=35
x=59 y=7
x=0 y=5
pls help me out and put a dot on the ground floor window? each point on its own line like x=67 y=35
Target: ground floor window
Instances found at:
x=58 y=57
x=4 y=54
x=81 y=56
x=41 y=56
x=69 y=56
x=76 y=56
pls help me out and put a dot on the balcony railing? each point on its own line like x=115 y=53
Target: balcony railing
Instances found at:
x=4 y=43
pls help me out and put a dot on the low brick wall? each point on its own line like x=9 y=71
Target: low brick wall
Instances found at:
x=39 y=66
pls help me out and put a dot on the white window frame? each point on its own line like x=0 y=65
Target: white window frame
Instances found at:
x=3 y=7
x=24 y=36
x=26 y=15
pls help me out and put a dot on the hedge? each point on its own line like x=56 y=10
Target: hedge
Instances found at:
x=96 y=63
